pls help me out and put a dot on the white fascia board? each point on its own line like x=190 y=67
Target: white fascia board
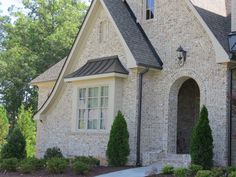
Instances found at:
x=61 y=76
x=99 y=76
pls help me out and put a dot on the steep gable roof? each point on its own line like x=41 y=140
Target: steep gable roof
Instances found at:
x=133 y=34
x=152 y=59
x=218 y=24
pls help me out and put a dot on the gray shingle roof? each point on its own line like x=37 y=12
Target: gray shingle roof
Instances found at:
x=219 y=25
x=50 y=74
x=100 y=66
x=133 y=34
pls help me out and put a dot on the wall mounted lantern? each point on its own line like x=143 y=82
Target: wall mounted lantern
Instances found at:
x=232 y=44
x=182 y=54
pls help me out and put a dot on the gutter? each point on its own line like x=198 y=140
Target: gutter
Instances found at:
x=138 y=155
x=230 y=118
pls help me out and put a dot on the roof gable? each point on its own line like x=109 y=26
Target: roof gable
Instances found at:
x=133 y=34
x=217 y=18
x=149 y=59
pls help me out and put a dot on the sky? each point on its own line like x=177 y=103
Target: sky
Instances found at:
x=5 y=4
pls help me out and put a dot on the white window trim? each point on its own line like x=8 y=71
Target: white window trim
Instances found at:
x=111 y=104
x=86 y=119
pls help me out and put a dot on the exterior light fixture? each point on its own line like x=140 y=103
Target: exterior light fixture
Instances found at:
x=232 y=44
x=182 y=54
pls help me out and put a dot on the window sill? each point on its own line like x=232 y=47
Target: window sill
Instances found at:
x=89 y=132
x=150 y=20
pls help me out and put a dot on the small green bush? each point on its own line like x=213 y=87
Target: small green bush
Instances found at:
x=167 y=170
x=118 y=144
x=232 y=174
x=57 y=165
x=31 y=164
x=230 y=169
x=91 y=161
x=26 y=166
x=15 y=146
x=217 y=171
x=195 y=168
x=204 y=173
x=80 y=167
x=181 y=172
x=53 y=152
x=9 y=164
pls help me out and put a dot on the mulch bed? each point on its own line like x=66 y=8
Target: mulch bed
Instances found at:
x=68 y=173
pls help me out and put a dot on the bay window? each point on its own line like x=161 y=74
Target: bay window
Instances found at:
x=93 y=107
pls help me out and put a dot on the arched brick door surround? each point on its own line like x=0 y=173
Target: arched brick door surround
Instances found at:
x=171 y=112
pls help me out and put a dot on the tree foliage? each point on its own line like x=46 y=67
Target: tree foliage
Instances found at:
x=201 y=148
x=118 y=145
x=28 y=128
x=4 y=126
x=15 y=146
x=32 y=39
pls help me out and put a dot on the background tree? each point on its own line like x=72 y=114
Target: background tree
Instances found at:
x=15 y=146
x=27 y=126
x=118 y=145
x=33 y=39
x=201 y=148
x=4 y=126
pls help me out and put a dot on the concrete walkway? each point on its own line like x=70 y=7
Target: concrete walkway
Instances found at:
x=134 y=172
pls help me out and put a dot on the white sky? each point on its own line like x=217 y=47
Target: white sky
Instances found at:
x=5 y=4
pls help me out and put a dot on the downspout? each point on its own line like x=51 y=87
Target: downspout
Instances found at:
x=141 y=74
x=230 y=118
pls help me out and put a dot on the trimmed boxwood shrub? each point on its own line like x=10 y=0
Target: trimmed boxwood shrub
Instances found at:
x=195 y=168
x=167 y=170
x=31 y=164
x=232 y=174
x=218 y=171
x=230 y=169
x=181 y=172
x=9 y=164
x=204 y=173
x=57 y=165
x=91 y=161
x=15 y=146
x=53 y=152
x=201 y=148
x=118 y=145
x=80 y=167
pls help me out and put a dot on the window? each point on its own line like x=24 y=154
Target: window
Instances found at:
x=103 y=31
x=93 y=107
x=150 y=9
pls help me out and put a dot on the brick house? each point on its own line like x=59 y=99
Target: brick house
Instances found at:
x=157 y=61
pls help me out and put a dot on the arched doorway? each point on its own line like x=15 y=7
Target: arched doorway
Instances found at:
x=187 y=114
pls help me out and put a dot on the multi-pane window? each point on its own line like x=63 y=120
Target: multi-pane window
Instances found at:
x=150 y=9
x=93 y=107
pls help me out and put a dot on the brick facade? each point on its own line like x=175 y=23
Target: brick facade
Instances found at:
x=174 y=25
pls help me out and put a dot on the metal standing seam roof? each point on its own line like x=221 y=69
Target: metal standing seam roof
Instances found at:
x=100 y=66
x=133 y=34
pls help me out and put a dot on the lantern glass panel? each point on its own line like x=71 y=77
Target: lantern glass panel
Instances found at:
x=232 y=42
